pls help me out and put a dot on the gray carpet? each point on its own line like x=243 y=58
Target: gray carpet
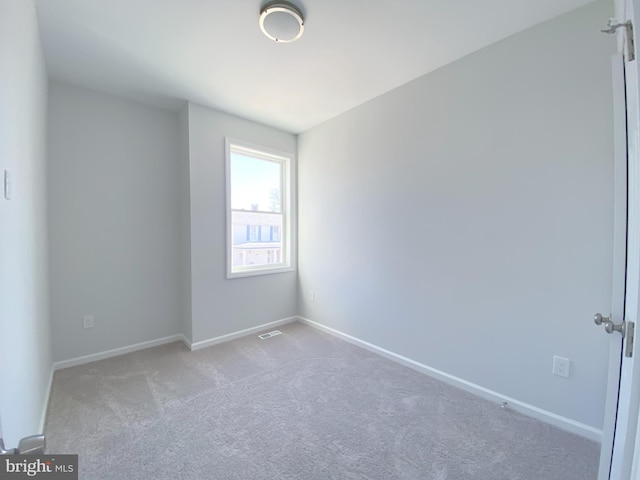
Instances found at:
x=302 y=405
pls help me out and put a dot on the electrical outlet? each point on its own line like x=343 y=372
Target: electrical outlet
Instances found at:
x=312 y=296
x=561 y=366
x=88 y=321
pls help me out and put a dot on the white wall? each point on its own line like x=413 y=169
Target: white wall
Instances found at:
x=464 y=220
x=114 y=221
x=221 y=306
x=185 y=224
x=25 y=354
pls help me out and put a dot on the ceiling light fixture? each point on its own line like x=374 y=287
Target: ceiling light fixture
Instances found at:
x=281 y=21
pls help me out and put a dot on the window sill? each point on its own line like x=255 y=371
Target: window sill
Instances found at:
x=258 y=271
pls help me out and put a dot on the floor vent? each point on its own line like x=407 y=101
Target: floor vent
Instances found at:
x=270 y=334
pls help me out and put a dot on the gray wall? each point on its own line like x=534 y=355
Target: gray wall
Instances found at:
x=137 y=209
x=464 y=220
x=25 y=353
x=114 y=221
x=221 y=306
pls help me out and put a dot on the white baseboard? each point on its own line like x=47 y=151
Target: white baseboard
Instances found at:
x=161 y=341
x=241 y=333
x=94 y=357
x=551 y=418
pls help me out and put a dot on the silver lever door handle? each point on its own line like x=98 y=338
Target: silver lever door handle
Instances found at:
x=4 y=451
x=32 y=445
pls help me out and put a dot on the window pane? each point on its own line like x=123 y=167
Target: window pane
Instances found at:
x=253 y=232
x=255 y=184
x=253 y=240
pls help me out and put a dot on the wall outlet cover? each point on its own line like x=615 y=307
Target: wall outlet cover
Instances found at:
x=561 y=366
x=88 y=321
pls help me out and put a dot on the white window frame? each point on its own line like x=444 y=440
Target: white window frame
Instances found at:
x=287 y=263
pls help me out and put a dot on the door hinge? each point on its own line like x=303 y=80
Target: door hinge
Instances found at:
x=628 y=338
x=614 y=25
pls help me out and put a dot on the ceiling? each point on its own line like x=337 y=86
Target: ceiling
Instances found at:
x=212 y=52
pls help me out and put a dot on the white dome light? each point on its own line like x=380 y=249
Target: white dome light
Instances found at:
x=282 y=22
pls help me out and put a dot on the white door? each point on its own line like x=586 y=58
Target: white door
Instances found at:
x=619 y=260
x=618 y=447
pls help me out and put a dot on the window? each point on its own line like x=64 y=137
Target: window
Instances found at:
x=253 y=233
x=258 y=210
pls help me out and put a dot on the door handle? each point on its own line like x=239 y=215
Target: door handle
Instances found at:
x=609 y=326
x=4 y=451
x=31 y=445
